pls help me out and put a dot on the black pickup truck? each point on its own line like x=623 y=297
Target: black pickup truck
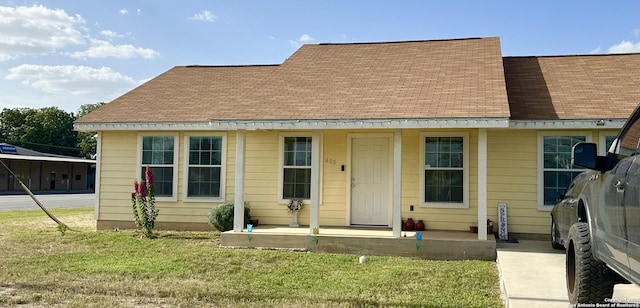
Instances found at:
x=603 y=247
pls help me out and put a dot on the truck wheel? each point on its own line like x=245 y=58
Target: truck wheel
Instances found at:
x=554 y=235
x=588 y=280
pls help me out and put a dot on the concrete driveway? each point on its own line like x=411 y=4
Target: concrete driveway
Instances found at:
x=532 y=274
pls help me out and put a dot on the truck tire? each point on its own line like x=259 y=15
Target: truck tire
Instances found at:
x=588 y=280
x=554 y=235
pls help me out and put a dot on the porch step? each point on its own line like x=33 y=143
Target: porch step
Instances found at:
x=441 y=248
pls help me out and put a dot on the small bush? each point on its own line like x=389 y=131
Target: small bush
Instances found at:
x=221 y=217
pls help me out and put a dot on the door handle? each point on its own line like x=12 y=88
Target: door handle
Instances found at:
x=619 y=185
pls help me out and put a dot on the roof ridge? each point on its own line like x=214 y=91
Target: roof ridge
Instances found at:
x=227 y=65
x=407 y=41
x=577 y=55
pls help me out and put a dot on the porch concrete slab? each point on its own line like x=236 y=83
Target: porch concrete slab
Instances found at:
x=443 y=245
x=532 y=274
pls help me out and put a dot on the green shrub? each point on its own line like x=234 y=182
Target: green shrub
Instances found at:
x=221 y=217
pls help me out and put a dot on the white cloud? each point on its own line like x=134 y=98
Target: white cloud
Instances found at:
x=70 y=79
x=110 y=34
x=139 y=11
x=104 y=49
x=37 y=30
x=306 y=38
x=625 y=47
x=204 y=16
x=123 y=12
x=596 y=51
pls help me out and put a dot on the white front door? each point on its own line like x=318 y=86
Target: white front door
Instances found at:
x=370 y=182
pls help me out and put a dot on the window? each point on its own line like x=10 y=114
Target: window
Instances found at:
x=605 y=142
x=205 y=170
x=296 y=179
x=159 y=153
x=556 y=170
x=444 y=170
x=630 y=141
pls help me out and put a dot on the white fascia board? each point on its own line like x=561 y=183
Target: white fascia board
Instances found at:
x=157 y=126
x=362 y=124
x=567 y=124
x=301 y=124
x=356 y=124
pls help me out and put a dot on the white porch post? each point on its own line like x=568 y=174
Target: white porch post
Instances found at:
x=482 y=184
x=397 y=184
x=238 y=208
x=314 y=213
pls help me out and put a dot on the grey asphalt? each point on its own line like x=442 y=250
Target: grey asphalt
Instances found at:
x=24 y=202
x=532 y=275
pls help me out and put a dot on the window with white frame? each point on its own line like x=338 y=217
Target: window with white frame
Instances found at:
x=160 y=154
x=444 y=177
x=205 y=171
x=606 y=140
x=556 y=165
x=296 y=167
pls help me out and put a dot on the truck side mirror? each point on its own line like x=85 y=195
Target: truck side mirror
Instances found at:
x=585 y=155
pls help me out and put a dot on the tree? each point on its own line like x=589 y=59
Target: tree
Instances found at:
x=10 y=121
x=48 y=130
x=86 y=140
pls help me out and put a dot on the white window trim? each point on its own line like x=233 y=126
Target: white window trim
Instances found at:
x=176 y=150
x=465 y=171
x=281 y=137
x=588 y=137
x=223 y=168
x=602 y=142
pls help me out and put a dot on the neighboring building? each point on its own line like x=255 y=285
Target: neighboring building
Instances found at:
x=42 y=172
x=365 y=133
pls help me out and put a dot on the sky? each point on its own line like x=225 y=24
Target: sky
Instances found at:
x=70 y=53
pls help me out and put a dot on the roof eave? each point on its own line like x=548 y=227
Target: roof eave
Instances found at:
x=568 y=124
x=302 y=124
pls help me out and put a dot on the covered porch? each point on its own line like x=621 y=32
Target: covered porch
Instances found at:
x=434 y=244
x=388 y=239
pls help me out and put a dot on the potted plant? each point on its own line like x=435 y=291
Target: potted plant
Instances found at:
x=294 y=206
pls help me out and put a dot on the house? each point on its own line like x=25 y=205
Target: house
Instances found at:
x=44 y=172
x=368 y=134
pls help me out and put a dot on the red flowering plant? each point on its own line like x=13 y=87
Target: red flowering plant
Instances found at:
x=143 y=203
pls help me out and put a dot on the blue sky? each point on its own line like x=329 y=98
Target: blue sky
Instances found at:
x=69 y=53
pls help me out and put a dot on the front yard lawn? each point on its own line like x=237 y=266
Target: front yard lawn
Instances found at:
x=86 y=268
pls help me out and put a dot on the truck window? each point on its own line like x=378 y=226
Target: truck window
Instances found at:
x=629 y=142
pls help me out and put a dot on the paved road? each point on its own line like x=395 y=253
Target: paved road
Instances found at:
x=24 y=202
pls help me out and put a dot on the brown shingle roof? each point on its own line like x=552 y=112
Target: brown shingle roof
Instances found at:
x=460 y=78
x=573 y=87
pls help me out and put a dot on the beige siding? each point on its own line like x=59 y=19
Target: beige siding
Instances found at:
x=261 y=177
x=118 y=171
x=511 y=178
x=333 y=210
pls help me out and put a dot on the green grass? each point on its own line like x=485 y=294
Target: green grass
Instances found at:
x=86 y=268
